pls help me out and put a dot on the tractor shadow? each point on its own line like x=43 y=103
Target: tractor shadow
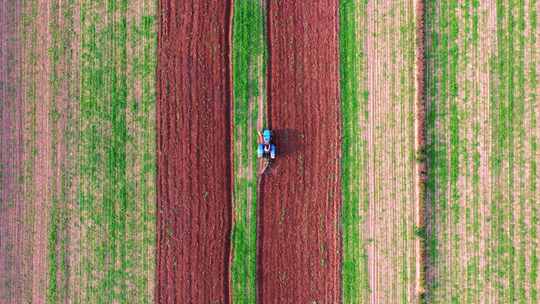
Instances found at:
x=287 y=141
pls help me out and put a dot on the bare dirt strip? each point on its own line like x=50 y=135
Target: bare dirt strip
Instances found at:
x=43 y=168
x=194 y=167
x=11 y=155
x=26 y=155
x=299 y=243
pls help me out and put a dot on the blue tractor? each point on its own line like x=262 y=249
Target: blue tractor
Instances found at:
x=266 y=149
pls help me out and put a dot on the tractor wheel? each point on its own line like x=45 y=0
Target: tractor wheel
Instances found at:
x=260 y=150
x=272 y=151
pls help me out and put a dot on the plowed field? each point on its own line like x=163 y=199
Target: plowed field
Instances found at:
x=299 y=244
x=194 y=156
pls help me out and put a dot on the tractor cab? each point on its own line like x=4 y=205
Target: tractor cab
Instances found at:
x=266 y=149
x=267 y=136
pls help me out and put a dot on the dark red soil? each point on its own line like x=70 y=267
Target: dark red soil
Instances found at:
x=193 y=127
x=11 y=153
x=299 y=240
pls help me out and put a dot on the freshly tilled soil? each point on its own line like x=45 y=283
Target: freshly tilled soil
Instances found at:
x=299 y=244
x=194 y=167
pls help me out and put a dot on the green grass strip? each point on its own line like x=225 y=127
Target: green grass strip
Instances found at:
x=475 y=269
x=502 y=133
x=504 y=154
x=532 y=97
x=354 y=98
x=249 y=72
x=94 y=183
x=441 y=57
x=443 y=149
x=432 y=155
x=511 y=153
x=466 y=53
x=143 y=110
x=115 y=198
x=442 y=145
x=89 y=150
x=455 y=149
x=54 y=58
x=520 y=118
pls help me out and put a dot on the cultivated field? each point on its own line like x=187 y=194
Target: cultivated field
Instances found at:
x=114 y=223
x=78 y=189
x=194 y=153
x=482 y=133
x=128 y=141
x=12 y=239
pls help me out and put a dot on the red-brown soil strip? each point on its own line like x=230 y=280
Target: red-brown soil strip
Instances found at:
x=194 y=159
x=299 y=245
x=11 y=156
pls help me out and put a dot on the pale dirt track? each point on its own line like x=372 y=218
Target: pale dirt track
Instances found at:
x=392 y=169
x=43 y=169
x=26 y=176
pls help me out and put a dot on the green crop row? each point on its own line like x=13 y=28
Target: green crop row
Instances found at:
x=249 y=52
x=533 y=143
x=354 y=98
